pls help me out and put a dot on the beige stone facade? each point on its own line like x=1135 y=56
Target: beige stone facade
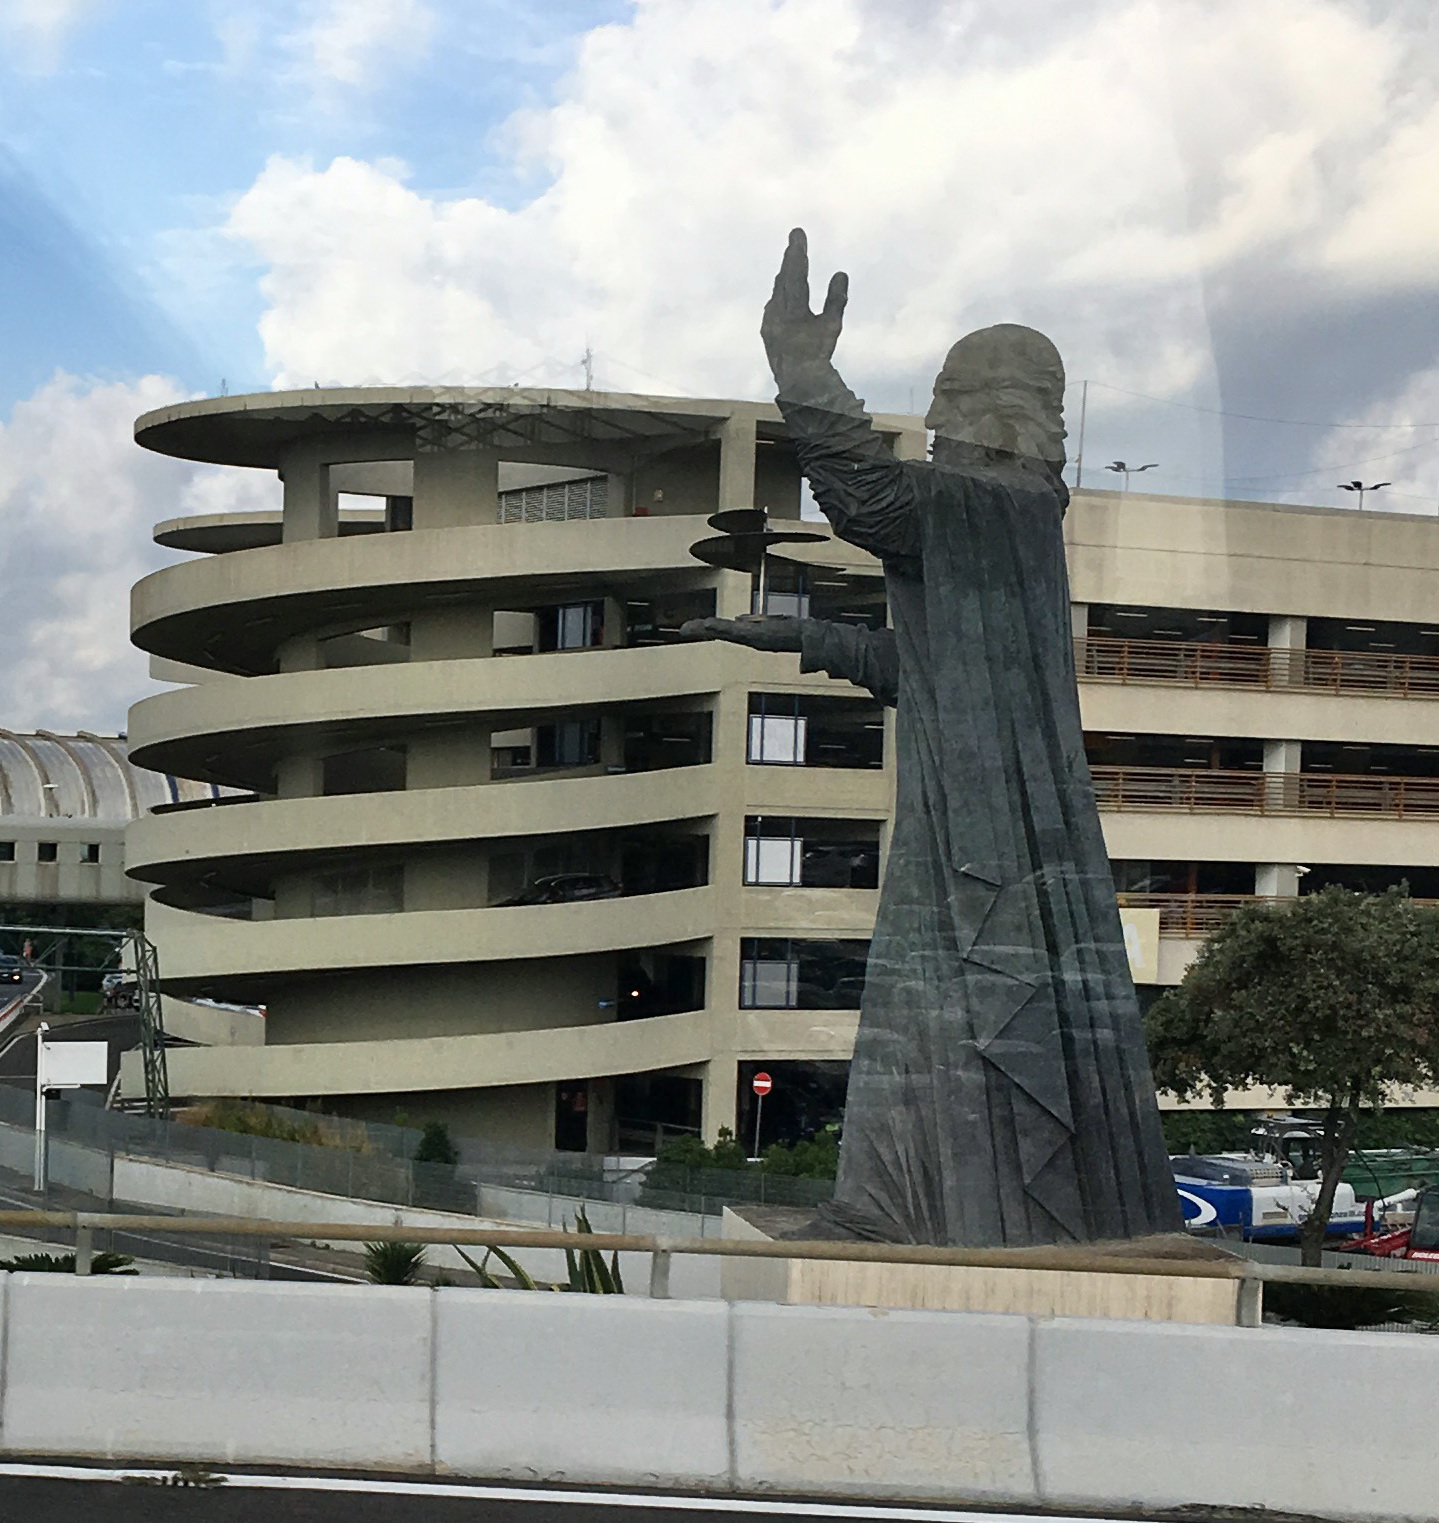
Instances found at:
x=447 y=679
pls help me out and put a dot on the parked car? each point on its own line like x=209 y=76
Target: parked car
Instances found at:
x=566 y=888
x=12 y=970
x=119 y=991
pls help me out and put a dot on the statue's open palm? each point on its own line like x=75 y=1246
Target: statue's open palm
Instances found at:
x=794 y=337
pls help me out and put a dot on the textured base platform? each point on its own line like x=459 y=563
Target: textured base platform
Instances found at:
x=1049 y=1292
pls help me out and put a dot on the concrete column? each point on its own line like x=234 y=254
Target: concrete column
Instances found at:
x=456 y=487
x=456 y=633
x=1079 y=620
x=614 y=624
x=1281 y=761
x=736 y=469
x=302 y=654
x=734 y=593
x=612 y=741
x=1276 y=880
x=720 y=1084
x=299 y=777
x=1288 y=637
x=311 y=505
x=619 y=497
x=451 y=759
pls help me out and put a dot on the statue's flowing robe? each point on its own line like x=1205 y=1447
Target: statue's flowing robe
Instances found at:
x=1000 y=1091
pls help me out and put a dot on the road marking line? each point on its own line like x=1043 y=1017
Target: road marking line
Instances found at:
x=478 y=1491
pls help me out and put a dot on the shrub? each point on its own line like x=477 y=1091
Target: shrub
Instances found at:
x=64 y=1263
x=436 y=1145
x=394 y=1263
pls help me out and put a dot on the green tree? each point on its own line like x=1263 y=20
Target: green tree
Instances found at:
x=436 y=1145
x=1333 y=999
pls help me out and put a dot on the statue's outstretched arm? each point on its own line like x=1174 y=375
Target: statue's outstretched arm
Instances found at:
x=866 y=493
x=866 y=657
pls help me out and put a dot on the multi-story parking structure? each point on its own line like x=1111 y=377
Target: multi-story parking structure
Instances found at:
x=511 y=853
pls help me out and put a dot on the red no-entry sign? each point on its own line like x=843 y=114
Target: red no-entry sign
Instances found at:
x=762 y=1084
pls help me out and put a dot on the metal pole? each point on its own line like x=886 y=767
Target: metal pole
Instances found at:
x=758 y=1113
x=40 y=1106
x=1079 y=453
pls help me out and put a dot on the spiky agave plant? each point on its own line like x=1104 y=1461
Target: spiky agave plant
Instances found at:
x=588 y=1272
x=64 y=1263
x=394 y=1263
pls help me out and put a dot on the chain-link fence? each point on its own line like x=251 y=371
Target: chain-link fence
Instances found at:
x=374 y=1162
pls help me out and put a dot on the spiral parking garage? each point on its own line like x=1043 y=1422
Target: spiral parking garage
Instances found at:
x=505 y=850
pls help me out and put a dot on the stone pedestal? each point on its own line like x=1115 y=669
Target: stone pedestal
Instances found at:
x=1049 y=1292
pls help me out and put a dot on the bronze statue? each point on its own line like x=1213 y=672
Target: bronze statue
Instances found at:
x=1000 y=1091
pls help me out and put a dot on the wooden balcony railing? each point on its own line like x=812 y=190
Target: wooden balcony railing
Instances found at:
x=1192 y=916
x=1175 y=662
x=1203 y=791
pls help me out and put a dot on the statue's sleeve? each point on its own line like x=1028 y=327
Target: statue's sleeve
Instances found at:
x=866 y=657
x=868 y=496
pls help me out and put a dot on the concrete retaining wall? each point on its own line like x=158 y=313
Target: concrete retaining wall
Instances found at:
x=746 y=1398
x=144 y=1182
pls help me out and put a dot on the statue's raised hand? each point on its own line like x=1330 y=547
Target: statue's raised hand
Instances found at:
x=795 y=338
x=758 y=631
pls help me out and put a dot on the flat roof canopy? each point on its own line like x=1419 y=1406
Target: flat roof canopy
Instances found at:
x=254 y=430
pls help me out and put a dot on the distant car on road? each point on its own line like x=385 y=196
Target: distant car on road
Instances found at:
x=118 y=992
x=12 y=970
x=566 y=888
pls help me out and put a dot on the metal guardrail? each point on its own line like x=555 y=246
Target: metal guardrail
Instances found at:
x=661 y=1249
x=1195 y=664
x=1193 y=916
x=1203 y=790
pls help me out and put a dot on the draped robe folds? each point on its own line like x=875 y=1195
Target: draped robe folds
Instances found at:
x=1000 y=1092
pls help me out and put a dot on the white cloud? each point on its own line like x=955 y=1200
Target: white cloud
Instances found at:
x=41 y=27
x=78 y=498
x=961 y=173
x=1399 y=445
x=350 y=42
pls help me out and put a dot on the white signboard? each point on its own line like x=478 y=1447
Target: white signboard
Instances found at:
x=1141 y=942
x=68 y=1065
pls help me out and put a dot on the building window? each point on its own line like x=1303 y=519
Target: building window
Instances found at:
x=575 y=743
x=768 y=983
x=773 y=852
x=47 y=851
x=811 y=853
x=814 y=730
x=790 y=973
x=786 y=590
x=573 y=626
x=7 y=851
x=776 y=730
x=90 y=852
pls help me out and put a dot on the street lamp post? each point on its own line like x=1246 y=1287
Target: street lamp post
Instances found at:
x=1127 y=471
x=1358 y=486
x=40 y=1138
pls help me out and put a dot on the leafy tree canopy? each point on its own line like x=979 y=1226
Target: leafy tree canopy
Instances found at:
x=1332 y=1000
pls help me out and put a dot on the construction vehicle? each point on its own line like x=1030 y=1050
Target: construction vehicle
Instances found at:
x=1266 y=1194
x=1417 y=1239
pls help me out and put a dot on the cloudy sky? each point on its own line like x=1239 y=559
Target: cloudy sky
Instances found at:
x=1226 y=212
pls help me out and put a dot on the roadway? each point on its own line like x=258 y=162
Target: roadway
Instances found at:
x=59 y=1494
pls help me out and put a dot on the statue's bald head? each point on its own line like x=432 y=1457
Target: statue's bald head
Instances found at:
x=1002 y=388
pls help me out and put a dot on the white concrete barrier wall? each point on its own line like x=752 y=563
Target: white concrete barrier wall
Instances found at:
x=946 y=1406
